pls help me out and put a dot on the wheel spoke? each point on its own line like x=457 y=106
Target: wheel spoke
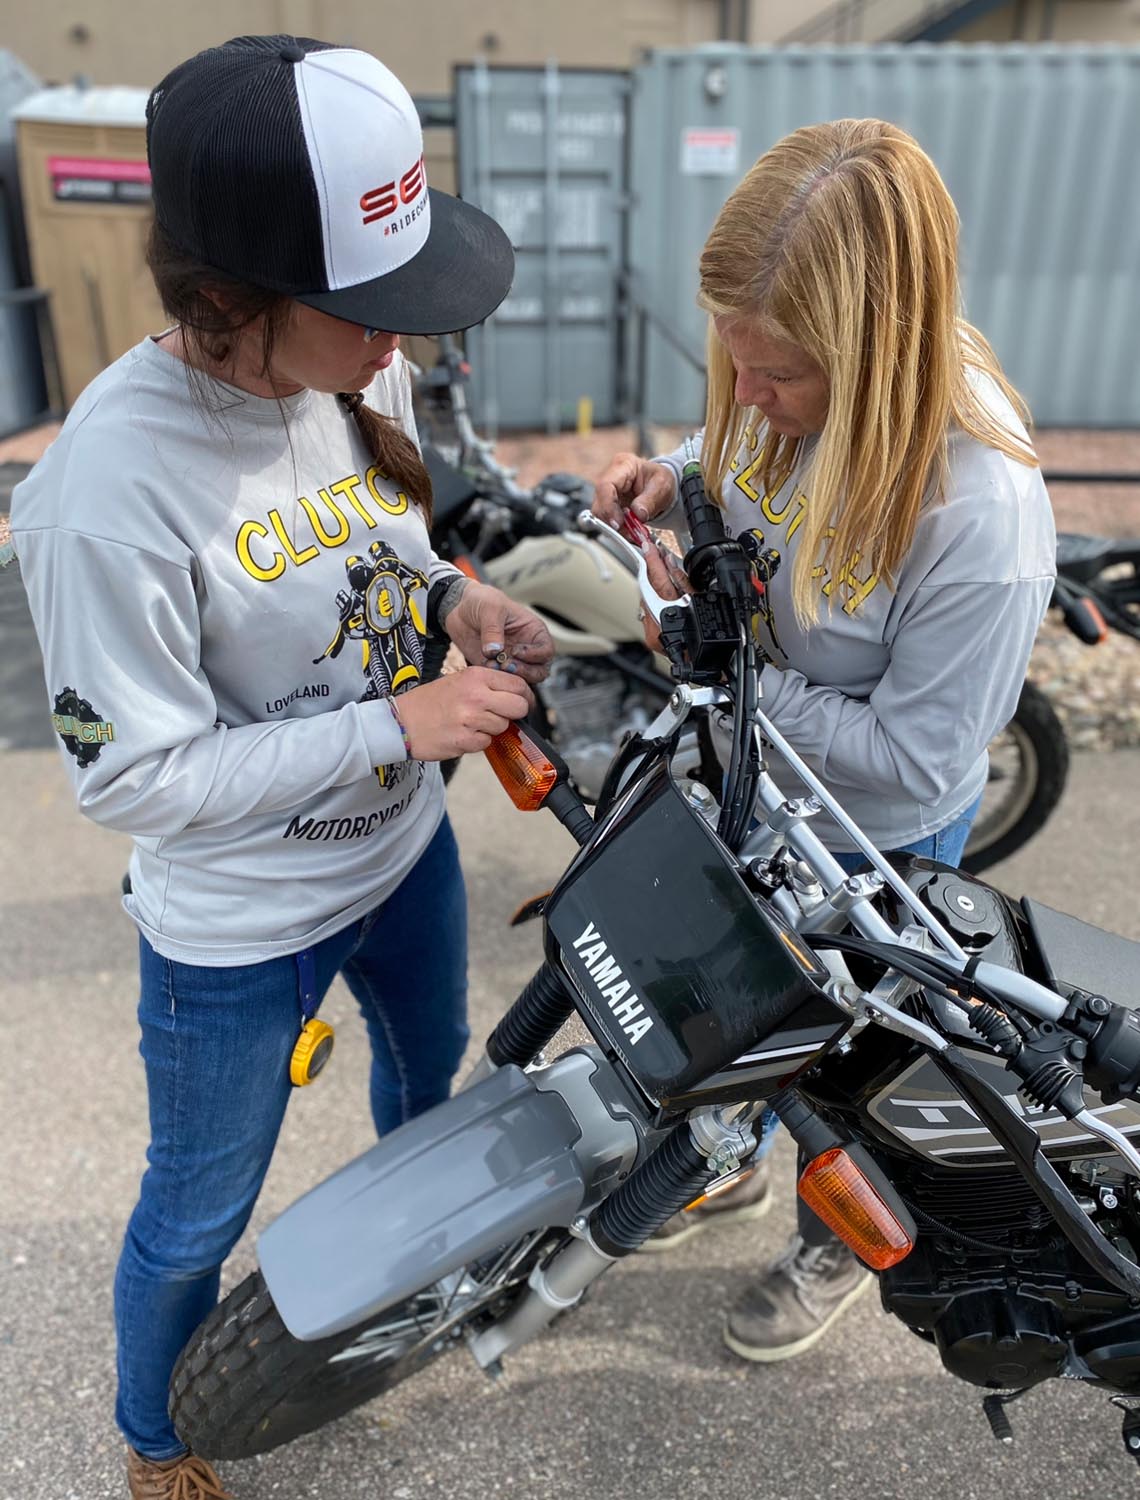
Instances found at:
x=434 y=1312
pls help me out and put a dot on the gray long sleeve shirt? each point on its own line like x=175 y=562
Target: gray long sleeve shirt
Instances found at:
x=223 y=607
x=892 y=698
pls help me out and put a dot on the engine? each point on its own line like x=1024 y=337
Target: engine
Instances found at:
x=591 y=707
x=998 y=1289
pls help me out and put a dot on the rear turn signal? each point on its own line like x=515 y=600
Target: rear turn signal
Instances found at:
x=837 y=1192
x=522 y=768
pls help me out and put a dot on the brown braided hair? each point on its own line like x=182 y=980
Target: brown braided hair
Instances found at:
x=209 y=331
x=391 y=450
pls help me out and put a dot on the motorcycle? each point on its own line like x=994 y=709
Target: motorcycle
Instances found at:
x=960 y=1072
x=1097 y=590
x=605 y=684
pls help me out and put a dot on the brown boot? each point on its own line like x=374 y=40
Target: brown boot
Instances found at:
x=749 y=1197
x=184 y=1478
x=796 y=1301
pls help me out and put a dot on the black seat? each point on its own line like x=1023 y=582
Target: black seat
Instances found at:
x=452 y=491
x=1075 y=953
x=1081 y=558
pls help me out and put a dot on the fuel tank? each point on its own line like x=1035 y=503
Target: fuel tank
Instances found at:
x=919 y=1108
x=589 y=602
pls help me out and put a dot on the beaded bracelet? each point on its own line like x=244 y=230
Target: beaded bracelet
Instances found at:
x=403 y=731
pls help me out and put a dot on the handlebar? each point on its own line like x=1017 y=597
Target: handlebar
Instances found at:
x=1081 y=613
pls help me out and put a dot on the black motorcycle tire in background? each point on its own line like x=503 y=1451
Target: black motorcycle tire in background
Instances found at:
x=1029 y=763
x=244 y=1385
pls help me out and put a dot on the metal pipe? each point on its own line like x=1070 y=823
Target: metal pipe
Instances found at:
x=481 y=89
x=552 y=394
x=1103 y=476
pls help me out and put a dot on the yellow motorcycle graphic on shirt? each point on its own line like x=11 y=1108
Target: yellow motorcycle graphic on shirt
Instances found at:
x=379 y=609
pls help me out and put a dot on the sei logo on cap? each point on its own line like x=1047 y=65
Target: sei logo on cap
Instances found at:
x=382 y=201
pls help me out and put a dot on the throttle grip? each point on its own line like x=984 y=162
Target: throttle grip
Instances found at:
x=706 y=523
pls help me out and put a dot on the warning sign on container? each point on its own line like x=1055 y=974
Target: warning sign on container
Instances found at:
x=710 y=153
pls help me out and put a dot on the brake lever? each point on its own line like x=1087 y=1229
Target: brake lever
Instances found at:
x=633 y=559
x=1110 y=1136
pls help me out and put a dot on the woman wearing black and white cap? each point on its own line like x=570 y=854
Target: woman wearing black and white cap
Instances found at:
x=229 y=568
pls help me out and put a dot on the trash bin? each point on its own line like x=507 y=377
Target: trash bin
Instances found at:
x=22 y=395
x=86 y=197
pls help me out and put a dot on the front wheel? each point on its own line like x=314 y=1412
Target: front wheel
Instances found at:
x=1029 y=762
x=244 y=1384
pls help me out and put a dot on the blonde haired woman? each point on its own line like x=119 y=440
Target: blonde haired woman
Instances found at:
x=862 y=428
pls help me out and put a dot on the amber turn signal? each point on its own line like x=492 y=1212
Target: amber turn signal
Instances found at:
x=837 y=1192
x=522 y=768
x=1098 y=620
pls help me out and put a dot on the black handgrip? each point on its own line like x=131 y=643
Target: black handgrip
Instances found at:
x=1081 y=615
x=1085 y=622
x=706 y=523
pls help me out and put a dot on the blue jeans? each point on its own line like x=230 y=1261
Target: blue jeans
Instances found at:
x=947 y=846
x=216 y=1043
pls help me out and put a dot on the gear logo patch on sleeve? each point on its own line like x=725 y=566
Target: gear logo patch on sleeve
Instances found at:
x=79 y=726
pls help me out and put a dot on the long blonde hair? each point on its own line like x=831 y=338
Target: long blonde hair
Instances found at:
x=842 y=239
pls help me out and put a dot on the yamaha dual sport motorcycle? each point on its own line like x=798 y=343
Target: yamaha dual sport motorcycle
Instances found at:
x=1097 y=590
x=960 y=1072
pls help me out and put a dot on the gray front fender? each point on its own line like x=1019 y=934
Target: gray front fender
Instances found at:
x=493 y=1163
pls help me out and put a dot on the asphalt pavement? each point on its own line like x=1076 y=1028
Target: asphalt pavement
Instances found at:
x=631 y=1396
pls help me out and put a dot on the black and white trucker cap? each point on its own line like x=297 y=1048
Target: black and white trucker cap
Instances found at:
x=298 y=166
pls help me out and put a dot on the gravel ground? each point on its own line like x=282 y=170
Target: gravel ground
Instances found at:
x=1094 y=689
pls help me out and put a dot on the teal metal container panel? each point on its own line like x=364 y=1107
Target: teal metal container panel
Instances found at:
x=1037 y=144
x=543 y=150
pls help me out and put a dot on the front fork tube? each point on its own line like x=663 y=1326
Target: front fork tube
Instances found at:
x=711 y=1143
x=539 y=1013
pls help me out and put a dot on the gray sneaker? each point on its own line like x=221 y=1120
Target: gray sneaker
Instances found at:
x=796 y=1301
x=750 y=1197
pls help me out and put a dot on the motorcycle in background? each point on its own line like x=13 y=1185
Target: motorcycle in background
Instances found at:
x=1097 y=590
x=604 y=682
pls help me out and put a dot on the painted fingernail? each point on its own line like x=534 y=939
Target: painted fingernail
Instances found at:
x=511 y=667
x=492 y=648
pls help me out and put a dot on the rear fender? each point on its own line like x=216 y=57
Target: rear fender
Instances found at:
x=503 y=1158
